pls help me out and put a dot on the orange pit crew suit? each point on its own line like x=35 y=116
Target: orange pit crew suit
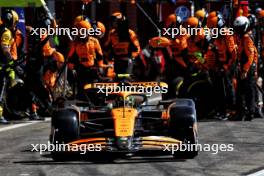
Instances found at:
x=122 y=51
x=83 y=56
x=246 y=90
x=52 y=62
x=17 y=44
x=221 y=53
x=195 y=43
x=220 y=60
x=178 y=47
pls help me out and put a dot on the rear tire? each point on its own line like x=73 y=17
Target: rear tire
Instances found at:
x=202 y=93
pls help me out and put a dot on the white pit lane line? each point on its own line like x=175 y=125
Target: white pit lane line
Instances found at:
x=21 y=125
x=259 y=173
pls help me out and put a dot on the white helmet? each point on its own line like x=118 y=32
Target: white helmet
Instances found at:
x=258 y=10
x=241 y=24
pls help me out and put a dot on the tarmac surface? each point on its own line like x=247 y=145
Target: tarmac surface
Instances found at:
x=247 y=138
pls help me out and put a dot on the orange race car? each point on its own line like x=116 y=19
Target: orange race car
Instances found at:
x=125 y=117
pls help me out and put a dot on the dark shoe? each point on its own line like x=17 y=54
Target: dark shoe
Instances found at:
x=220 y=116
x=231 y=114
x=259 y=114
x=35 y=116
x=238 y=117
x=249 y=117
x=3 y=120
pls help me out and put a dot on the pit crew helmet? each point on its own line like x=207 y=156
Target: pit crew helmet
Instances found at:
x=192 y=22
x=116 y=18
x=83 y=24
x=173 y=20
x=79 y=19
x=9 y=18
x=99 y=25
x=241 y=25
x=215 y=19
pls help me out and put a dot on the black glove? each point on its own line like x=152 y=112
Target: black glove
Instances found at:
x=20 y=71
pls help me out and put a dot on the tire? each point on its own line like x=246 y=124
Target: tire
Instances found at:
x=202 y=93
x=65 y=129
x=183 y=127
x=188 y=137
x=174 y=88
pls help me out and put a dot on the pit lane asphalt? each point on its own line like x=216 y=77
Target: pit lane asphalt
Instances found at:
x=16 y=158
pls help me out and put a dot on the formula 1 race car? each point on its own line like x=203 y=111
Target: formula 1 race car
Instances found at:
x=125 y=121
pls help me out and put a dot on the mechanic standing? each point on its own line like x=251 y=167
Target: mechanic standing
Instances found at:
x=86 y=57
x=220 y=59
x=260 y=21
x=39 y=47
x=178 y=47
x=176 y=66
x=255 y=34
x=122 y=44
x=195 y=44
x=247 y=60
x=7 y=28
x=53 y=61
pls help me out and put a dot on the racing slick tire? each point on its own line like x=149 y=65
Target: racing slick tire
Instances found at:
x=65 y=129
x=183 y=126
x=202 y=93
x=174 y=88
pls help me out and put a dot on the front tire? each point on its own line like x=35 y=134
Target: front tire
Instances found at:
x=65 y=129
x=189 y=138
x=183 y=126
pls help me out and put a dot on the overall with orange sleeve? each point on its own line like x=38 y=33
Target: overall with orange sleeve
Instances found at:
x=178 y=46
x=247 y=59
x=122 y=45
x=41 y=66
x=195 y=43
x=85 y=56
x=220 y=60
x=53 y=61
x=17 y=45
